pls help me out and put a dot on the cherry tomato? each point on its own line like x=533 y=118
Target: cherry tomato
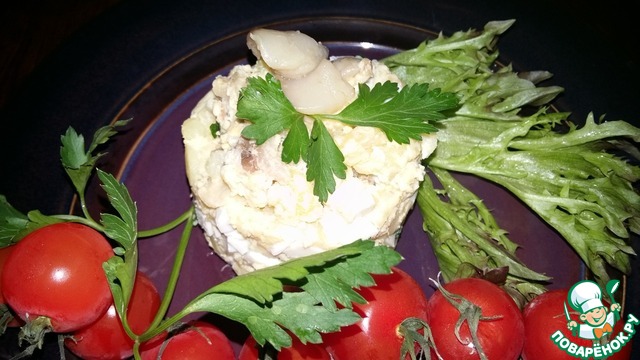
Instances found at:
x=4 y=254
x=6 y=315
x=297 y=351
x=106 y=338
x=394 y=298
x=501 y=333
x=56 y=272
x=199 y=340
x=543 y=316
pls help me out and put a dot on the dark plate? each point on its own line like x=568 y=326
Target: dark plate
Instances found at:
x=153 y=170
x=153 y=63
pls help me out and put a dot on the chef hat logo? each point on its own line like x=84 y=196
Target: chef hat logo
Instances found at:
x=585 y=296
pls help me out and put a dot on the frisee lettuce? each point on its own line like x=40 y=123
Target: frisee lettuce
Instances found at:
x=578 y=179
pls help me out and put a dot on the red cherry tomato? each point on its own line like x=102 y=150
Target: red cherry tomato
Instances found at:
x=4 y=254
x=501 y=336
x=6 y=314
x=297 y=351
x=394 y=298
x=106 y=339
x=200 y=340
x=543 y=316
x=56 y=272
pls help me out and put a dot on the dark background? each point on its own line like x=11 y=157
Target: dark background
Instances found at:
x=30 y=30
x=101 y=52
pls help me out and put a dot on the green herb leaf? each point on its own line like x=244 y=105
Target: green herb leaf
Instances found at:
x=103 y=134
x=257 y=300
x=123 y=229
x=263 y=103
x=324 y=161
x=336 y=283
x=297 y=312
x=261 y=285
x=120 y=272
x=296 y=144
x=121 y=269
x=14 y=225
x=78 y=162
x=214 y=128
x=401 y=115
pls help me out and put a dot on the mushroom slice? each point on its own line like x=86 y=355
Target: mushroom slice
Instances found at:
x=290 y=54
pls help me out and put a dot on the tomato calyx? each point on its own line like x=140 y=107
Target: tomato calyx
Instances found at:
x=469 y=313
x=497 y=275
x=6 y=317
x=33 y=331
x=416 y=331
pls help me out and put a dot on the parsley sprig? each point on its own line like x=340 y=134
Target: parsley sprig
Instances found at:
x=402 y=114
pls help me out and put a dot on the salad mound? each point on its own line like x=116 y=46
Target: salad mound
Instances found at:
x=258 y=210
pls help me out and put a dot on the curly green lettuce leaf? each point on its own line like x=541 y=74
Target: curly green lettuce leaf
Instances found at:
x=580 y=180
x=467 y=240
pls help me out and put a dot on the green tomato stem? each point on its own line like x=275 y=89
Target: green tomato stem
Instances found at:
x=136 y=350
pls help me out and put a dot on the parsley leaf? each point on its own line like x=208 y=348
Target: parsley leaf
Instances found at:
x=14 y=225
x=257 y=299
x=77 y=162
x=333 y=284
x=264 y=104
x=324 y=161
x=123 y=228
x=296 y=144
x=401 y=114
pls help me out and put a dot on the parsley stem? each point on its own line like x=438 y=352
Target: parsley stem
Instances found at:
x=175 y=272
x=168 y=226
x=85 y=210
x=79 y=219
